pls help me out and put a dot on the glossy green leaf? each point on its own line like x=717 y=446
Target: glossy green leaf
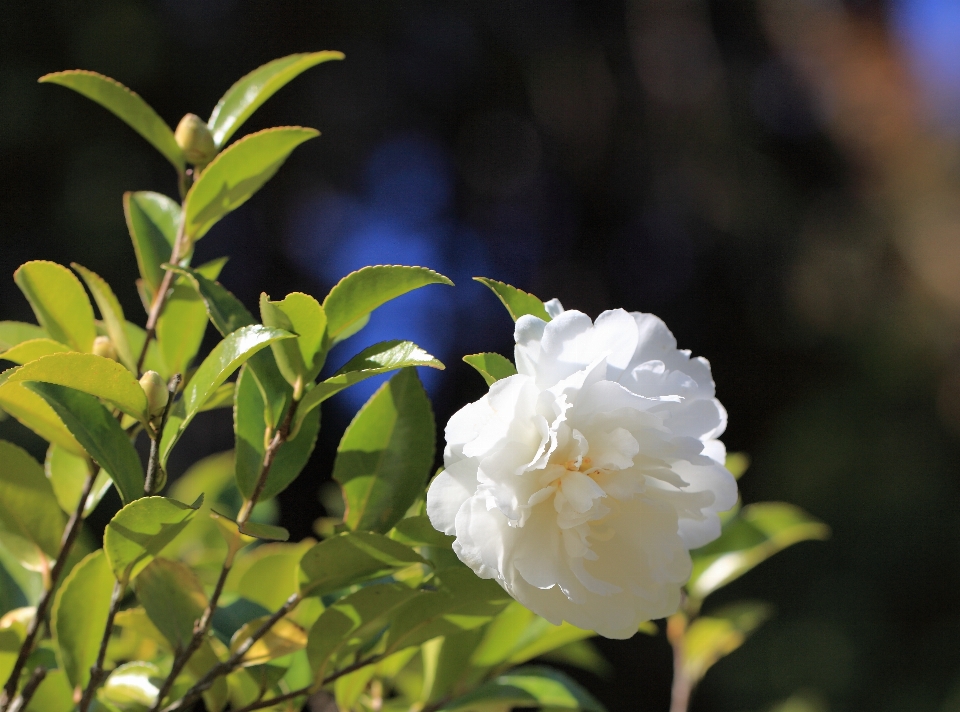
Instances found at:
x=173 y=598
x=152 y=221
x=16 y=332
x=257 y=530
x=530 y=686
x=250 y=432
x=246 y=96
x=386 y=454
x=225 y=358
x=446 y=660
x=272 y=575
x=758 y=532
x=285 y=353
x=284 y=638
x=98 y=432
x=517 y=302
x=31 y=523
x=154 y=360
x=351 y=558
x=380 y=358
x=418 y=531
x=111 y=312
x=53 y=695
x=709 y=638
x=140 y=531
x=126 y=105
x=34 y=412
x=221 y=398
x=59 y=302
x=181 y=327
x=80 y=615
x=237 y=173
x=301 y=314
x=89 y=373
x=67 y=474
x=492 y=367
x=132 y=687
x=359 y=293
x=33 y=349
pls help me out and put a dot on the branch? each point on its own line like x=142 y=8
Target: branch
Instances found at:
x=279 y=438
x=153 y=463
x=682 y=687
x=26 y=694
x=70 y=534
x=97 y=673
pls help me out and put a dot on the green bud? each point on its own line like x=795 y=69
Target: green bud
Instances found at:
x=195 y=140
x=156 y=390
x=103 y=346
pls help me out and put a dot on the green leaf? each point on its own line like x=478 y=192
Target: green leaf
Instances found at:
x=99 y=433
x=152 y=220
x=59 y=303
x=139 y=531
x=250 y=431
x=181 y=327
x=173 y=598
x=301 y=314
x=132 y=687
x=530 y=686
x=285 y=353
x=351 y=558
x=16 y=332
x=386 y=454
x=491 y=366
x=225 y=358
x=67 y=474
x=709 y=638
x=80 y=615
x=270 y=573
x=758 y=532
x=517 y=302
x=34 y=412
x=53 y=695
x=246 y=96
x=89 y=373
x=221 y=398
x=359 y=293
x=237 y=173
x=111 y=312
x=31 y=523
x=284 y=638
x=33 y=349
x=380 y=358
x=124 y=104
x=258 y=530
x=418 y=531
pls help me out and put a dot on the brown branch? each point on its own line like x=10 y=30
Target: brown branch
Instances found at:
x=70 y=534
x=23 y=699
x=160 y=296
x=682 y=688
x=279 y=438
x=153 y=463
x=97 y=673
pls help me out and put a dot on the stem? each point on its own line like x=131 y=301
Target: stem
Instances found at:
x=26 y=694
x=279 y=438
x=200 y=630
x=227 y=666
x=160 y=297
x=683 y=685
x=150 y=486
x=97 y=673
x=70 y=534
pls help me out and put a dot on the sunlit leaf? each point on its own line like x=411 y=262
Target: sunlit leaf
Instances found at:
x=152 y=220
x=33 y=349
x=517 y=302
x=530 y=686
x=283 y=638
x=285 y=353
x=34 y=412
x=237 y=173
x=89 y=373
x=418 y=531
x=111 y=313
x=350 y=558
x=140 y=531
x=173 y=598
x=80 y=614
x=386 y=454
x=132 y=686
x=53 y=695
x=257 y=530
x=709 y=638
x=300 y=314
x=98 y=432
x=360 y=292
x=16 y=332
x=491 y=366
x=59 y=303
x=246 y=96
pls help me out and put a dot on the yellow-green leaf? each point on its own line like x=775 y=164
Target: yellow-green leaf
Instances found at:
x=491 y=366
x=111 y=312
x=35 y=413
x=517 y=302
x=152 y=221
x=15 y=332
x=709 y=638
x=68 y=473
x=284 y=638
x=59 y=303
x=33 y=349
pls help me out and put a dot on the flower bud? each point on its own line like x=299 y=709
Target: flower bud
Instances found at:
x=195 y=140
x=156 y=391
x=103 y=346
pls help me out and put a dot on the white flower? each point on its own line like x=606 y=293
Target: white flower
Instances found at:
x=580 y=483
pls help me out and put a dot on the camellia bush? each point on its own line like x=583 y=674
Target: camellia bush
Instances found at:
x=587 y=493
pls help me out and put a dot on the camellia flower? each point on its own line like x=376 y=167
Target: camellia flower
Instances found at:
x=580 y=483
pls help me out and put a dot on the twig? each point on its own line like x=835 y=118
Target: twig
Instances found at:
x=26 y=694
x=682 y=687
x=153 y=463
x=66 y=544
x=228 y=665
x=97 y=673
x=160 y=297
x=279 y=438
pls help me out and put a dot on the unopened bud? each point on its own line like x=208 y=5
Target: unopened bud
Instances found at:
x=103 y=346
x=156 y=390
x=195 y=140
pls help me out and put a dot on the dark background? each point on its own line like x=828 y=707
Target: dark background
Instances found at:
x=778 y=180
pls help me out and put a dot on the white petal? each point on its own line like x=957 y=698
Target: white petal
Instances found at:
x=554 y=308
x=527 y=333
x=447 y=493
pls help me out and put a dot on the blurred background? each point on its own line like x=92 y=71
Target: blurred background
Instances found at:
x=779 y=180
